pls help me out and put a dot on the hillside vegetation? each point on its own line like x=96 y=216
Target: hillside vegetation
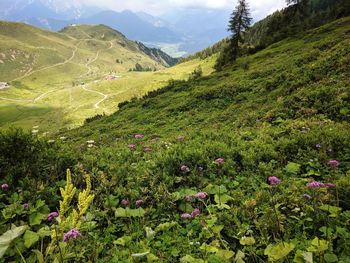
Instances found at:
x=57 y=80
x=250 y=164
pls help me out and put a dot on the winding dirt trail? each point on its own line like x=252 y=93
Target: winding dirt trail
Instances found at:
x=87 y=65
x=96 y=92
x=52 y=66
x=89 y=70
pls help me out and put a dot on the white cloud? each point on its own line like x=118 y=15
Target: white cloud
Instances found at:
x=259 y=8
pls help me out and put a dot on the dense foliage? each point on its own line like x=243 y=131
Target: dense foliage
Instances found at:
x=251 y=164
x=289 y=22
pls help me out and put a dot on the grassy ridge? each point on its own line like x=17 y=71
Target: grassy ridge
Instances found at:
x=46 y=71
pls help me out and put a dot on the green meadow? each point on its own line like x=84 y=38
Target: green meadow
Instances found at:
x=60 y=83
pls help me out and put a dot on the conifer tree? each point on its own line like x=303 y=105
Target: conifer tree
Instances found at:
x=239 y=22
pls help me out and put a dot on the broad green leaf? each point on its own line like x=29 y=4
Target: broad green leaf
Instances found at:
x=9 y=236
x=303 y=257
x=332 y=210
x=185 y=192
x=30 y=238
x=122 y=241
x=225 y=254
x=247 y=241
x=39 y=256
x=165 y=226
x=223 y=206
x=279 y=251
x=151 y=257
x=139 y=212
x=217 y=229
x=149 y=232
x=120 y=212
x=211 y=222
x=44 y=232
x=318 y=245
x=190 y=259
x=208 y=248
x=111 y=201
x=215 y=189
x=222 y=198
x=292 y=168
x=239 y=258
x=330 y=258
x=36 y=218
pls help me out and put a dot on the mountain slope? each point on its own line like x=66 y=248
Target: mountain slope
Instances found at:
x=57 y=80
x=25 y=49
x=250 y=164
x=209 y=146
x=256 y=82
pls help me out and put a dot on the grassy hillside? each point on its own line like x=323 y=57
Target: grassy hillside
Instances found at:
x=251 y=164
x=58 y=79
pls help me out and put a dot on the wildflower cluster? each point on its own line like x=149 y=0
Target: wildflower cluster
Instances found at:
x=273 y=180
x=72 y=234
x=196 y=212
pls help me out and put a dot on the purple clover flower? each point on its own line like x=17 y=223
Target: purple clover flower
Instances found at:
x=147 y=149
x=201 y=195
x=4 y=187
x=139 y=136
x=132 y=146
x=71 y=234
x=52 y=216
x=219 y=161
x=125 y=202
x=318 y=146
x=195 y=212
x=186 y=216
x=184 y=169
x=334 y=163
x=26 y=206
x=139 y=203
x=315 y=184
x=273 y=180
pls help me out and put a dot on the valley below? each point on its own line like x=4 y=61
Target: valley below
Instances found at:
x=95 y=75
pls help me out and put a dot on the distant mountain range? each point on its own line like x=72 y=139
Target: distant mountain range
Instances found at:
x=182 y=32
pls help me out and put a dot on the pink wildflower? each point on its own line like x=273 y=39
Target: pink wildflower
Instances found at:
x=201 y=195
x=219 y=161
x=333 y=163
x=72 y=234
x=52 y=216
x=273 y=180
x=125 y=202
x=195 y=212
x=4 y=187
x=139 y=203
x=186 y=216
x=315 y=184
x=184 y=169
x=139 y=136
x=147 y=149
x=132 y=146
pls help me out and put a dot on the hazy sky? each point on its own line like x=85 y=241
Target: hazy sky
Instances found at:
x=259 y=8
